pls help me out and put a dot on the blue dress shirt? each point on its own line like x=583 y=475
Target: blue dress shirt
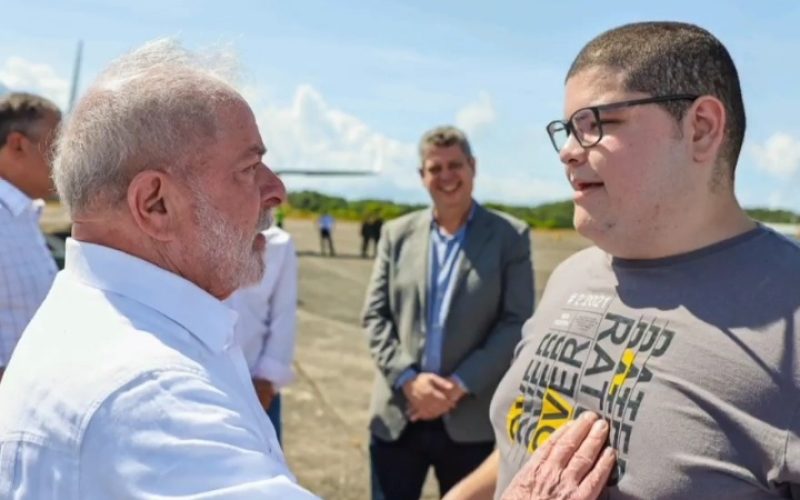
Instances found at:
x=444 y=257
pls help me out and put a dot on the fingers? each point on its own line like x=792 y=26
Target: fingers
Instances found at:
x=427 y=408
x=567 y=465
x=586 y=455
x=426 y=411
x=568 y=443
x=594 y=482
x=543 y=451
x=439 y=395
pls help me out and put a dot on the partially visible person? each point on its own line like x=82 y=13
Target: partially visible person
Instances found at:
x=377 y=227
x=267 y=319
x=326 y=223
x=28 y=124
x=451 y=287
x=128 y=382
x=280 y=215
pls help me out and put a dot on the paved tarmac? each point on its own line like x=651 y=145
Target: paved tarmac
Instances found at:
x=326 y=409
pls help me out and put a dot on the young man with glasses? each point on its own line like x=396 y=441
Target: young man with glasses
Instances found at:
x=680 y=328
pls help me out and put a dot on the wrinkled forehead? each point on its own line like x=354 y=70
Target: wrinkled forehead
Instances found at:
x=237 y=130
x=593 y=86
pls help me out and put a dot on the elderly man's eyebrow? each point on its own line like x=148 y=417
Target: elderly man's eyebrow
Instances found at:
x=254 y=150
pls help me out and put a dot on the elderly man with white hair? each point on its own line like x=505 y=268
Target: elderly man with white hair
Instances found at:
x=128 y=383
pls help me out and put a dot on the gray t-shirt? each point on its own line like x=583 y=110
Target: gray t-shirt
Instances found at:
x=694 y=360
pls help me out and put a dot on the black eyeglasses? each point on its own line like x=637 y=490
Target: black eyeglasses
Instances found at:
x=586 y=125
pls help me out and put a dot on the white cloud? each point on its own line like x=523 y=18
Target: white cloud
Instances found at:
x=311 y=134
x=475 y=116
x=20 y=74
x=779 y=156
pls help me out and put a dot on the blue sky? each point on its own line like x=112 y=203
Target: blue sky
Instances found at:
x=353 y=84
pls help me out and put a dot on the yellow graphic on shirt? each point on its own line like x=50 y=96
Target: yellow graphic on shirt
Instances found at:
x=556 y=412
x=623 y=370
x=514 y=417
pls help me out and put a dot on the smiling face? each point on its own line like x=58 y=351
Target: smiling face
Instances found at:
x=448 y=175
x=636 y=183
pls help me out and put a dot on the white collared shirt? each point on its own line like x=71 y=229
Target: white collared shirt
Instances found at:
x=127 y=384
x=26 y=266
x=268 y=313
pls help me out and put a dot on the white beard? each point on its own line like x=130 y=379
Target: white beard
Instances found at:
x=229 y=252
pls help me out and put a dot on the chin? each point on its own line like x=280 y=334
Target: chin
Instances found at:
x=253 y=272
x=589 y=227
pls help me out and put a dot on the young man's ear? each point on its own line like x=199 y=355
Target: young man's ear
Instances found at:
x=706 y=122
x=150 y=201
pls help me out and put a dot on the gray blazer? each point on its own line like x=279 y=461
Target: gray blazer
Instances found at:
x=492 y=298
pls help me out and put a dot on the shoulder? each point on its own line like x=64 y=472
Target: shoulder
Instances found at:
x=502 y=221
x=146 y=392
x=580 y=261
x=168 y=398
x=782 y=243
x=778 y=254
x=405 y=223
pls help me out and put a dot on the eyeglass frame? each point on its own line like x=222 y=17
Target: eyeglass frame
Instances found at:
x=604 y=107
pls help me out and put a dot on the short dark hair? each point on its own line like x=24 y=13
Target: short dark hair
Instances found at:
x=663 y=58
x=442 y=137
x=20 y=112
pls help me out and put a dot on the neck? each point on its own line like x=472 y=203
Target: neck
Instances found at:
x=452 y=219
x=724 y=219
x=115 y=229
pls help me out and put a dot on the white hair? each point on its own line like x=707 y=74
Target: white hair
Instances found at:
x=154 y=108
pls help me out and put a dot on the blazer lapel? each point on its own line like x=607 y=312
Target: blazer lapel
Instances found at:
x=478 y=234
x=419 y=244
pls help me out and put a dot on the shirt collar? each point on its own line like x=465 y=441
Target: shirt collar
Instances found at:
x=435 y=225
x=13 y=199
x=202 y=314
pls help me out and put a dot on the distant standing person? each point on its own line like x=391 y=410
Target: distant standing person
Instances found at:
x=27 y=126
x=370 y=233
x=326 y=223
x=267 y=320
x=450 y=290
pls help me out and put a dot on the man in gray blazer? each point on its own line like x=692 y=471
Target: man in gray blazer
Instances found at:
x=451 y=288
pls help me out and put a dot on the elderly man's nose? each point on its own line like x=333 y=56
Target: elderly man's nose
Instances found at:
x=273 y=191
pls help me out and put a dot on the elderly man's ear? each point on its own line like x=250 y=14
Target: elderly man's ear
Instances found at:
x=152 y=202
